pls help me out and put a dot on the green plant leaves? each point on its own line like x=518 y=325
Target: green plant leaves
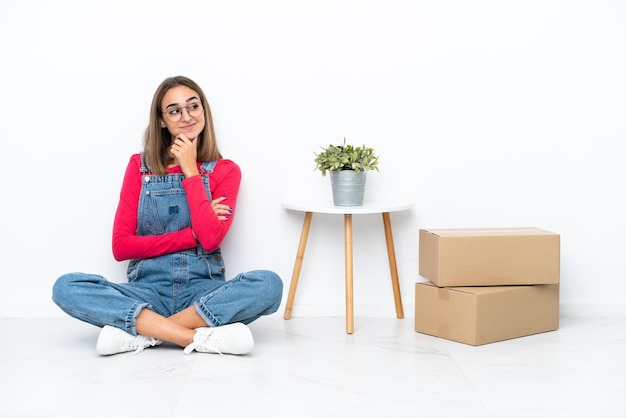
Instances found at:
x=346 y=157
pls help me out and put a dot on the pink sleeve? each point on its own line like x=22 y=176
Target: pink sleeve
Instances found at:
x=126 y=243
x=224 y=181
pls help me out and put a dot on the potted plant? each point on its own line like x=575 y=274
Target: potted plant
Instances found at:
x=348 y=166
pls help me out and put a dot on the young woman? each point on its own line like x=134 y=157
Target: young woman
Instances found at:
x=177 y=204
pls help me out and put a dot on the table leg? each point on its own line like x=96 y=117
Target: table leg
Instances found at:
x=392 y=265
x=298 y=264
x=349 y=287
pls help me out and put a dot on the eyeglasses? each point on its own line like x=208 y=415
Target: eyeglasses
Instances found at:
x=174 y=114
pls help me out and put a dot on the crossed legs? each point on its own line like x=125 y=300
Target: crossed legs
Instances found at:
x=178 y=328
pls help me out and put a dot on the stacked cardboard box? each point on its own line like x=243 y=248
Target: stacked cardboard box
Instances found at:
x=487 y=285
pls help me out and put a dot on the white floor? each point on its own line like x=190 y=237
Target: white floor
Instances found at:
x=309 y=367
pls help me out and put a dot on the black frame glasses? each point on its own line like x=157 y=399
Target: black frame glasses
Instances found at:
x=175 y=114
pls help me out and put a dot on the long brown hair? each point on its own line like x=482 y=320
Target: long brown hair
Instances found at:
x=158 y=139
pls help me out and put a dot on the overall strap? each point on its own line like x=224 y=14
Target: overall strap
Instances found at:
x=208 y=166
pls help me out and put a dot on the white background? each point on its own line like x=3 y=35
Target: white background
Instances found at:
x=483 y=113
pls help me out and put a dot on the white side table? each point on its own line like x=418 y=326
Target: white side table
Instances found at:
x=373 y=207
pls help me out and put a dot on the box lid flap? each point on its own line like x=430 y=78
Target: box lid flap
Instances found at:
x=473 y=232
x=476 y=290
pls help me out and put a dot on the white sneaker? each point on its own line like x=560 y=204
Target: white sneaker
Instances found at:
x=114 y=340
x=228 y=339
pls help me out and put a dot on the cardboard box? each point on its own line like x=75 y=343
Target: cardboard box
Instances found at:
x=489 y=256
x=481 y=315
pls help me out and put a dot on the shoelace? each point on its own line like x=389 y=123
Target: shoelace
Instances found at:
x=202 y=338
x=141 y=342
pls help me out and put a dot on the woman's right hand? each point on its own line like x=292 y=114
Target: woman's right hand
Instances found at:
x=184 y=151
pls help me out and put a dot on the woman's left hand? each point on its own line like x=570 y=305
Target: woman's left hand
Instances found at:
x=221 y=210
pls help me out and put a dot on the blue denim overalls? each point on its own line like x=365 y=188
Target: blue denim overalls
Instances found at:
x=170 y=283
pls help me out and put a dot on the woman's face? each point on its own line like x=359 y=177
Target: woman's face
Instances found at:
x=182 y=112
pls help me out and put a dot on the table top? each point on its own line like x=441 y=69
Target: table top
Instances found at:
x=328 y=207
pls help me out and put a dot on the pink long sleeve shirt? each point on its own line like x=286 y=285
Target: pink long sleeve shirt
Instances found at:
x=209 y=230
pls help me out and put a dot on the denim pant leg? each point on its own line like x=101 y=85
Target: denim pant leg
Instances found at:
x=244 y=298
x=93 y=299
